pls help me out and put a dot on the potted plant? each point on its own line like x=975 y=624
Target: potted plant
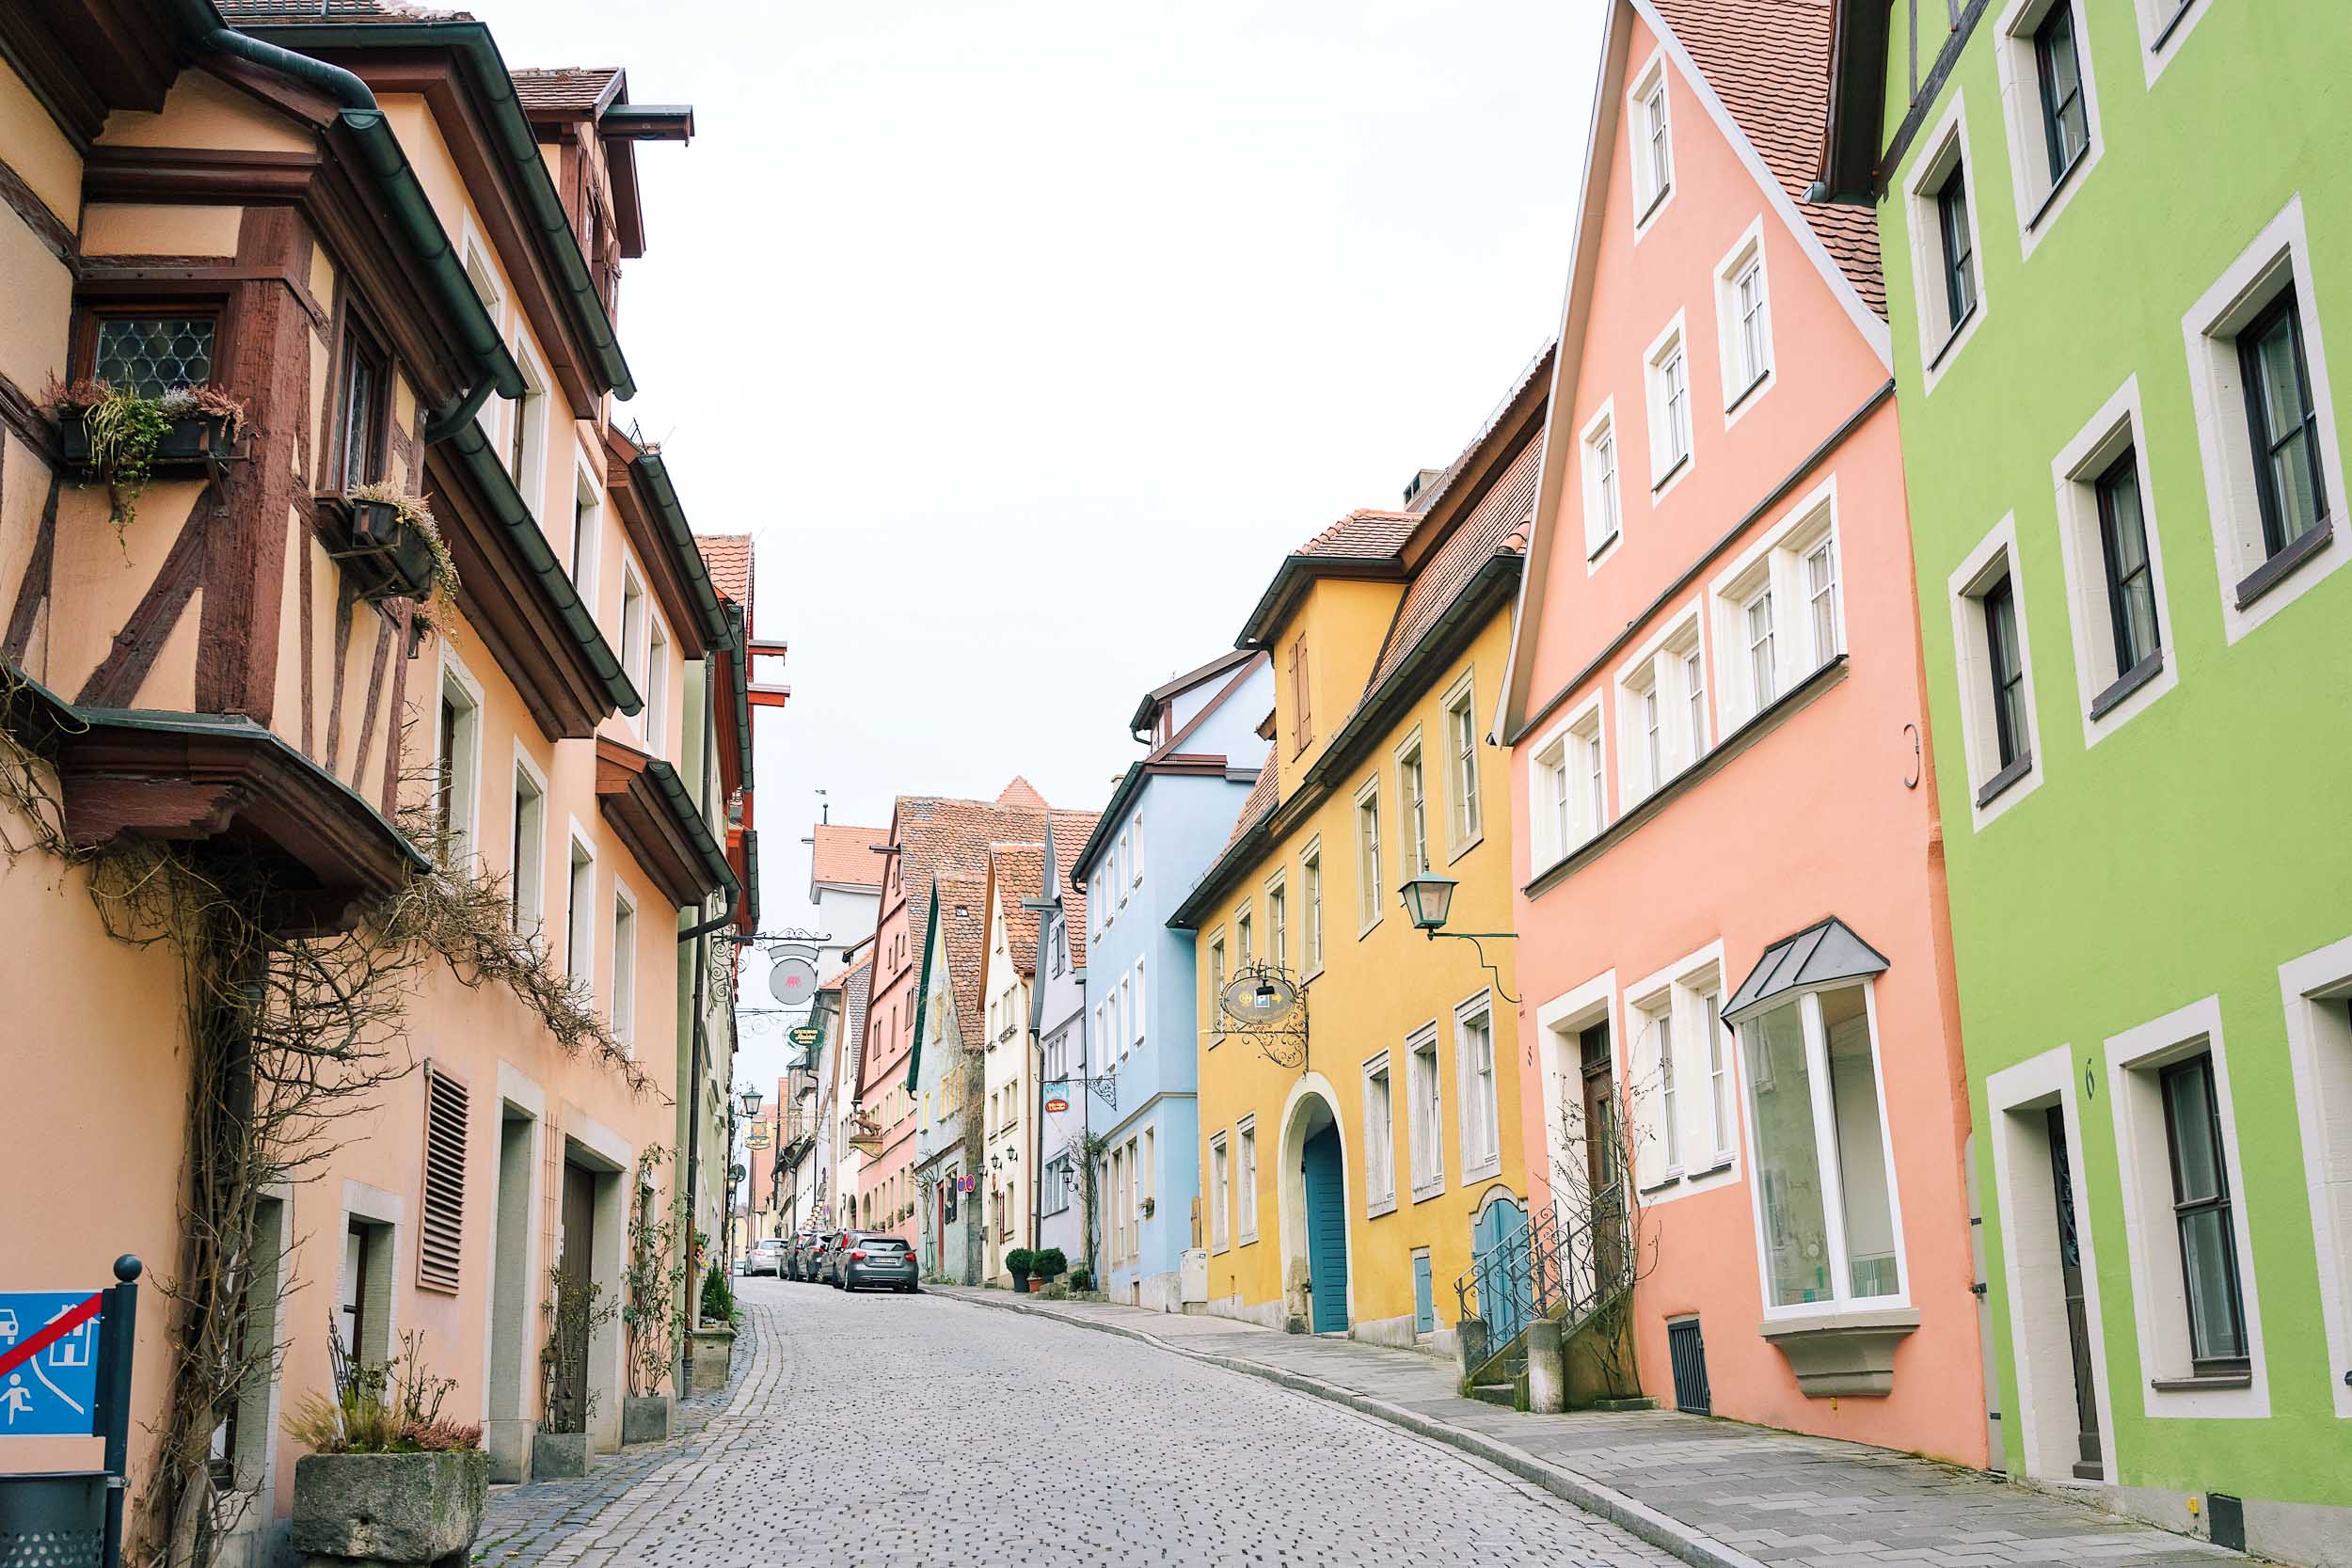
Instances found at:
x=574 y=1310
x=1047 y=1265
x=119 y=438
x=649 y=1308
x=395 y=541
x=1081 y=1281
x=1017 y=1262
x=387 y=1479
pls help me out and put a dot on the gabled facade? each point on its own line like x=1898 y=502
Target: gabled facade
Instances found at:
x=1163 y=823
x=2128 y=519
x=1009 y=1066
x=1716 y=648
x=845 y=878
x=349 y=227
x=1361 y=1149
x=944 y=1207
x=1058 y=1026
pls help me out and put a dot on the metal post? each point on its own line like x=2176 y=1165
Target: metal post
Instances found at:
x=118 y=1344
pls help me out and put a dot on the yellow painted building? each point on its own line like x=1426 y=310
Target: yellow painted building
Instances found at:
x=1355 y=1150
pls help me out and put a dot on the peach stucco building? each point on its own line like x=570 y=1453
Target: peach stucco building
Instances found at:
x=1732 y=944
x=403 y=260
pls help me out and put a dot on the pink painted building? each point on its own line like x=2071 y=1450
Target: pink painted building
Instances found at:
x=1733 y=944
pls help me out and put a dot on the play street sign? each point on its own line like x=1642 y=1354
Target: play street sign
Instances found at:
x=49 y=1363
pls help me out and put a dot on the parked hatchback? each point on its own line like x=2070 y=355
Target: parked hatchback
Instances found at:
x=767 y=1258
x=865 y=1258
x=816 y=1258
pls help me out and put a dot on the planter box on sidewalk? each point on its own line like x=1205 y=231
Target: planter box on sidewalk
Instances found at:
x=644 y=1419
x=386 y=1507
x=714 y=1348
x=558 y=1455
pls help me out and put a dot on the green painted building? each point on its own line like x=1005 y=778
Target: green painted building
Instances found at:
x=2118 y=244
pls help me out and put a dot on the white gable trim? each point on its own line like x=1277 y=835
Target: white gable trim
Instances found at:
x=1560 y=438
x=1874 y=331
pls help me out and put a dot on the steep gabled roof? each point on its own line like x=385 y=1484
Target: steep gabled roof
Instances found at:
x=1021 y=793
x=1768 y=60
x=1015 y=871
x=843 y=854
x=964 y=932
x=1068 y=838
x=1762 y=62
x=1496 y=526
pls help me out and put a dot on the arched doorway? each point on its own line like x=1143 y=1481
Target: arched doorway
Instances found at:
x=1314 y=1209
x=1499 y=1247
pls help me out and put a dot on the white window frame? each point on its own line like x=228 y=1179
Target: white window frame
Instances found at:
x=1570 y=738
x=1369 y=903
x=1603 y=474
x=1311 y=934
x=2163 y=27
x=1744 y=386
x=1484 y=1141
x=2074 y=474
x=580 y=913
x=1277 y=908
x=1940 y=341
x=624 y=1001
x=1134 y=873
x=1217 y=974
x=530 y=479
x=1825 y=1145
x=1651 y=194
x=1775 y=559
x=2038 y=201
x=1667 y=466
x=1656 y=1110
x=1136 y=1025
x=1379 y=1138
x=1246 y=1181
x=2314 y=990
x=464 y=770
x=657 y=693
x=2279 y=257
x=588 y=500
x=636 y=633
x=1412 y=825
x=1219 y=1181
x=1550 y=799
x=1425 y=1122
x=2145 y=1173
x=1994 y=555
x=1464 y=793
x=533 y=879
x=1245 y=935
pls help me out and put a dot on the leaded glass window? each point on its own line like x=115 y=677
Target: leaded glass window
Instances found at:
x=154 y=355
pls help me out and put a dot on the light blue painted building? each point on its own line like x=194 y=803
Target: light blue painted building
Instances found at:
x=1166 y=821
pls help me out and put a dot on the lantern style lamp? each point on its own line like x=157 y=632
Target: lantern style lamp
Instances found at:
x=750 y=1099
x=1428 y=901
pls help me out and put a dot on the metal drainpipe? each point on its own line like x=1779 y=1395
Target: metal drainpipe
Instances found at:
x=694 y=1075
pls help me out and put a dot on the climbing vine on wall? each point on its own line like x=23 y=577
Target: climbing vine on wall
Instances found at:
x=289 y=1037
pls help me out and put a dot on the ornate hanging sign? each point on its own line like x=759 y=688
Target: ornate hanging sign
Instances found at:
x=1265 y=1004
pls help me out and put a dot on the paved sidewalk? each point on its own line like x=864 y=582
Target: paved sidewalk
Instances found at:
x=1715 y=1494
x=527 y=1524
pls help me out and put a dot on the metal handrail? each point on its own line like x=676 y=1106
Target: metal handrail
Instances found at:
x=1559 y=1267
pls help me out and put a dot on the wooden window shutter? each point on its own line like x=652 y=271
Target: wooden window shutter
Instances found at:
x=1299 y=693
x=441 y=1237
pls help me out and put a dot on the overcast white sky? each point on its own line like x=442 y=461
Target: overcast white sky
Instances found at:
x=1028 y=336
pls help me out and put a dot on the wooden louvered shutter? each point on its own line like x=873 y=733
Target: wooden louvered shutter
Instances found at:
x=1298 y=695
x=441 y=1237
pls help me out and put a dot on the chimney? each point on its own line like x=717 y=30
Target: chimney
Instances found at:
x=1420 y=482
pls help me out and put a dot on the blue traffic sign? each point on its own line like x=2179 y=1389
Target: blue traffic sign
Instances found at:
x=52 y=1391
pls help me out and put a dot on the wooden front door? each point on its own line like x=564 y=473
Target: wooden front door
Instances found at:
x=2087 y=1447
x=1604 y=1163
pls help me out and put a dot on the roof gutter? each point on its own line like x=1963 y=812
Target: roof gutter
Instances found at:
x=509 y=510
x=742 y=662
x=512 y=135
x=411 y=211
x=653 y=478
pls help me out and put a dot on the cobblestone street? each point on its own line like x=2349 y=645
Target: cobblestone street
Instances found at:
x=1012 y=1439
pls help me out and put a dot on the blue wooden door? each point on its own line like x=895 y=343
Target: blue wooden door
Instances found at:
x=1327 y=1231
x=1498 y=1244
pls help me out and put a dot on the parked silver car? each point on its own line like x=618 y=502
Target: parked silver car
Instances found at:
x=767 y=1258
x=862 y=1257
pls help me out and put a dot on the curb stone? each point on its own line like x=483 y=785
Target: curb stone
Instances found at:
x=1668 y=1534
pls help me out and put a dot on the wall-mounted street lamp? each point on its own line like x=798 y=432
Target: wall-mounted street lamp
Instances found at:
x=1429 y=900
x=749 y=1099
